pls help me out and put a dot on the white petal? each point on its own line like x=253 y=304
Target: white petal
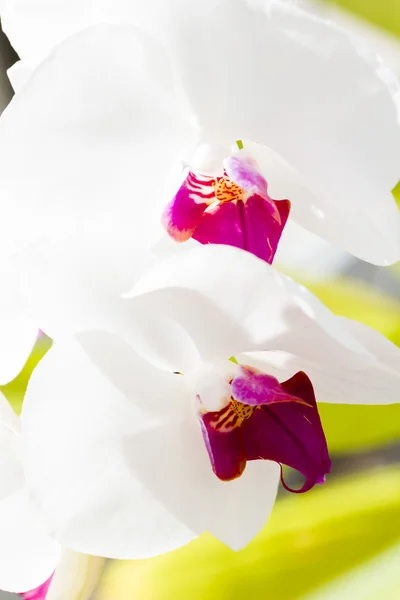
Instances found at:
x=106 y=142
x=73 y=284
x=156 y=391
x=376 y=380
x=319 y=100
x=386 y=352
x=301 y=251
x=7 y=416
x=34 y=27
x=76 y=576
x=18 y=335
x=230 y=301
x=19 y=74
x=27 y=556
x=176 y=468
x=212 y=384
x=361 y=230
x=74 y=424
x=12 y=478
x=18 y=332
x=31 y=29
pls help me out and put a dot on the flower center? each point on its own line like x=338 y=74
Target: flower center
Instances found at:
x=229 y=417
x=227 y=190
x=242 y=411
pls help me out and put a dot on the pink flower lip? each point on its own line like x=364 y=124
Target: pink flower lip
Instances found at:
x=267 y=420
x=234 y=209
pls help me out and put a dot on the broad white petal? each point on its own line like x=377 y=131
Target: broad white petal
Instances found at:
x=27 y=556
x=230 y=301
x=361 y=230
x=322 y=102
x=176 y=468
x=34 y=27
x=77 y=469
x=8 y=417
x=156 y=391
x=18 y=332
x=301 y=251
x=18 y=335
x=374 y=381
x=76 y=576
x=73 y=284
x=106 y=143
x=386 y=352
x=19 y=73
x=12 y=478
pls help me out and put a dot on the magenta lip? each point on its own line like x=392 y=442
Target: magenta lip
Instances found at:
x=243 y=215
x=268 y=420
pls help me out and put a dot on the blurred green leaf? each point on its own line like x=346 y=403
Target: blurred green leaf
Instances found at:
x=349 y=428
x=377 y=578
x=309 y=540
x=384 y=13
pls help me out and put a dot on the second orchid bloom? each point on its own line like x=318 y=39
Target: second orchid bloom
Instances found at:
x=168 y=415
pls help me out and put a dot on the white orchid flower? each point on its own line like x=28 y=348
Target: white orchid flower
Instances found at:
x=32 y=563
x=101 y=129
x=159 y=412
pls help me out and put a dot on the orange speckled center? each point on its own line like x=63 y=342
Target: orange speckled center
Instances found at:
x=226 y=190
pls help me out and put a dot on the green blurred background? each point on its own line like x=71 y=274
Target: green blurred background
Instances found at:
x=340 y=541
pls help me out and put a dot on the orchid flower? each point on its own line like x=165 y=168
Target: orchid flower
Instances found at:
x=170 y=413
x=119 y=111
x=32 y=563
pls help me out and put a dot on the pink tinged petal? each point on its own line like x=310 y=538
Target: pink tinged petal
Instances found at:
x=244 y=172
x=249 y=225
x=38 y=593
x=183 y=213
x=254 y=388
